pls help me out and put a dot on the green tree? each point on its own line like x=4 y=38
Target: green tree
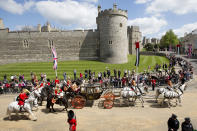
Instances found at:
x=169 y=39
x=149 y=47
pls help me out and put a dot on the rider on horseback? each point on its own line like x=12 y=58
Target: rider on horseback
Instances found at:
x=58 y=94
x=170 y=86
x=22 y=97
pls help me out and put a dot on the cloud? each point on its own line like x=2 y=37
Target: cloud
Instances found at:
x=149 y=25
x=142 y=1
x=69 y=13
x=179 y=7
x=93 y=1
x=185 y=28
x=15 y=8
x=25 y=28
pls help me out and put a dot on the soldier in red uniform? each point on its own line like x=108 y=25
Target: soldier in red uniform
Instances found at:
x=153 y=81
x=72 y=121
x=22 y=97
x=48 y=82
x=57 y=81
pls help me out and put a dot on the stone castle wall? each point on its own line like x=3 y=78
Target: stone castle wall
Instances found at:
x=111 y=42
x=36 y=46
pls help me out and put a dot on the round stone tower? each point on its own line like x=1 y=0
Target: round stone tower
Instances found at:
x=112 y=27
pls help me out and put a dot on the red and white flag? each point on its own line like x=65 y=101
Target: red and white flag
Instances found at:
x=54 y=58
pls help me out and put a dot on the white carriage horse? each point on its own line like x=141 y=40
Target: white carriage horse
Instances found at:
x=161 y=91
x=176 y=94
x=128 y=93
x=13 y=107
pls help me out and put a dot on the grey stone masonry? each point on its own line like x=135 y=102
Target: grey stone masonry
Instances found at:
x=110 y=42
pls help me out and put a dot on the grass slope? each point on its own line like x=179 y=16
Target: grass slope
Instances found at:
x=80 y=66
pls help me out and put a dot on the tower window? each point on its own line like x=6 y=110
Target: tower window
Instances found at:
x=110 y=42
x=120 y=24
x=25 y=44
x=50 y=43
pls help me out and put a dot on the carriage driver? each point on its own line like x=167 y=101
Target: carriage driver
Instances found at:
x=22 y=97
x=170 y=86
x=58 y=91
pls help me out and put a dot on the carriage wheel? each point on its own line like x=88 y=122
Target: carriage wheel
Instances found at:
x=108 y=104
x=78 y=102
x=109 y=96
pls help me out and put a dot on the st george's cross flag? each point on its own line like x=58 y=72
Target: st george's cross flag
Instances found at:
x=54 y=58
x=137 y=62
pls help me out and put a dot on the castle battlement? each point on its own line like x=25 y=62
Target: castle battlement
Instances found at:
x=133 y=28
x=113 y=12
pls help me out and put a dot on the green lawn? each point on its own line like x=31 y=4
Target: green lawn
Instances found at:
x=80 y=66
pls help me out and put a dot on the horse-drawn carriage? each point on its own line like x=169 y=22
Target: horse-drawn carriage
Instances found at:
x=87 y=92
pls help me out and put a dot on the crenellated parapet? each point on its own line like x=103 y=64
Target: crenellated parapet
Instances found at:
x=113 y=12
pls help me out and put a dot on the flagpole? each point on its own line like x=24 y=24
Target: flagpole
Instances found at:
x=56 y=73
x=137 y=75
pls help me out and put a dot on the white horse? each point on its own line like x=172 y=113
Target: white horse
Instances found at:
x=34 y=95
x=13 y=107
x=176 y=94
x=128 y=93
x=162 y=90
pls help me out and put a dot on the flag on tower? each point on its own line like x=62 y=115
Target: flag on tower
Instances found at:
x=137 y=62
x=54 y=58
x=178 y=48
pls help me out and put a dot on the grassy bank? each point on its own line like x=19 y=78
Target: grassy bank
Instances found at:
x=80 y=66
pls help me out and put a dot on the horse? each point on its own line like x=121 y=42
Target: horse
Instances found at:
x=63 y=100
x=35 y=94
x=176 y=94
x=161 y=91
x=13 y=107
x=135 y=94
x=43 y=94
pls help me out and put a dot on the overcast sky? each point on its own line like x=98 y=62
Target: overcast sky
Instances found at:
x=154 y=17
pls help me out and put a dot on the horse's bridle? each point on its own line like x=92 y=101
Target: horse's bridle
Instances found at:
x=180 y=90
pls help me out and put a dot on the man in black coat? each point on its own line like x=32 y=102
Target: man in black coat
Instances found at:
x=119 y=73
x=115 y=73
x=104 y=74
x=186 y=125
x=108 y=73
x=173 y=123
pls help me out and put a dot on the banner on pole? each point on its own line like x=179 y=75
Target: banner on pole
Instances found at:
x=54 y=58
x=137 y=62
x=178 y=48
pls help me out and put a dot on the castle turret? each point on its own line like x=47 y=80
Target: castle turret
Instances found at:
x=39 y=27
x=1 y=24
x=112 y=27
x=99 y=8
x=115 y=6
x=134 y=35
x=48 y=27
